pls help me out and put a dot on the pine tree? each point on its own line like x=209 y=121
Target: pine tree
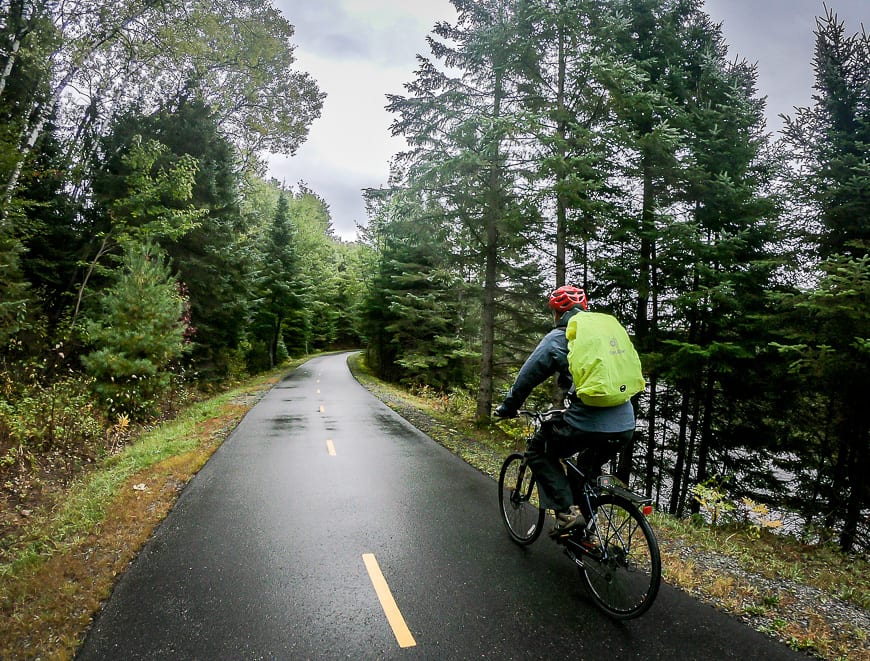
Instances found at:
x=136 y=334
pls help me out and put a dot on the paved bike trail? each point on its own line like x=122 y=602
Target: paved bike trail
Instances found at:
x=265 y=556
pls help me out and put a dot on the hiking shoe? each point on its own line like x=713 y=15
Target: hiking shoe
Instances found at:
x=570 y=519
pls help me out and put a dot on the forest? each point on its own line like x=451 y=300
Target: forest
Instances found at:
x=615 y=145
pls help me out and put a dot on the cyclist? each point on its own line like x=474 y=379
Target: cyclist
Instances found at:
x=598 y=433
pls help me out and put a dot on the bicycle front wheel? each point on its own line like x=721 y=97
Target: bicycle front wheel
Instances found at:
x=624 y=573
x=518 y=500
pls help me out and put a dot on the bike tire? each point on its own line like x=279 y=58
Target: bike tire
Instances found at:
x=519 y=501
x=624 y=579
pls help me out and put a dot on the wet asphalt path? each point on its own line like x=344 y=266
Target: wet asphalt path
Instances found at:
x=263 y=556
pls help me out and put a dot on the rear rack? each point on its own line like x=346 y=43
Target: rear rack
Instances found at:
x=612 y=484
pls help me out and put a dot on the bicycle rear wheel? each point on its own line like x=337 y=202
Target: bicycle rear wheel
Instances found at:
x=624 y=573
x=518 y=500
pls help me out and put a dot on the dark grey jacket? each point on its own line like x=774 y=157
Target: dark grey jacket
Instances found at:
x=551 y=357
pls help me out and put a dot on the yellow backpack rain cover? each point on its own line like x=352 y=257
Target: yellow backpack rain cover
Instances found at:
x=604 y=364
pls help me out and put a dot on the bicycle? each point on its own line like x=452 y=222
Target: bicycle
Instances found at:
x=616 y=553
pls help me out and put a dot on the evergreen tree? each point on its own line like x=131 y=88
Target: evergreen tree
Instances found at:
x=413 y=317
x=827 y=332
x=315 y=325
x=699 y=240
x=213 y=259
x=565 y=61
x=459 y=122
x=54 y=243
x=830 y=140
x=278 y=287
x=136 y=334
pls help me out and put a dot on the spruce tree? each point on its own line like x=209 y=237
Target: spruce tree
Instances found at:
x=460 y=120
x=826 y=328
x=413 y=313
x=278 y=283
x=214 y=259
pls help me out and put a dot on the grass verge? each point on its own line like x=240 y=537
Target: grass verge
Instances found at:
x=57 y=572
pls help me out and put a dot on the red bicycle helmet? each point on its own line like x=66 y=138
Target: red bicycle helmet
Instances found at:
x=566 y=297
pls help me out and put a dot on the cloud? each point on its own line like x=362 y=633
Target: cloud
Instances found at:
x=358 y=51
x=382 y=31
x=778 y=35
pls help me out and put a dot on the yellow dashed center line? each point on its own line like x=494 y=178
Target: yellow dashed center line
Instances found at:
x=321 y=408
x=330 y=448
x=391 y=610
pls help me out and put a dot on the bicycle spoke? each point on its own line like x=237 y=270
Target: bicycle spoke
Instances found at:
x=624 y=575
x=518 y=499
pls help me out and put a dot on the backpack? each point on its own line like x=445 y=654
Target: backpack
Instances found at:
x=603 y=361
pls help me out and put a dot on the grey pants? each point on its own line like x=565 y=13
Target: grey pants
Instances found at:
x=557 y=439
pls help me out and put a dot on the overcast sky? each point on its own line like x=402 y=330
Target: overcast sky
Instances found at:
x=361 y=50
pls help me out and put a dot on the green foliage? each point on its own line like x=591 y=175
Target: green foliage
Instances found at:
x=213 y=259
x=278 y=287
x=39 y=415
x=238 y=59
x=412 y=314
x=828 y=142
x=13 y=288
x=149 y=211
x=827 y=329
x=136 y=335
x=614 y=145
x=330 y=281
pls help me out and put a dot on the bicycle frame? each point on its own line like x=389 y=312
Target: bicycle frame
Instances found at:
x=616 y=551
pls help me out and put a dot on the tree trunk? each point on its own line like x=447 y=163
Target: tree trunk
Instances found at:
x=13 y=21
x=681 y=455
x=273 y=344
x=690 y=457
x=492 y=215
x=561 y=211
x=33 y=130
x=641 y=323
x=653 y=384
x=704 y=446
x=649 y=464
x=856 y=501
